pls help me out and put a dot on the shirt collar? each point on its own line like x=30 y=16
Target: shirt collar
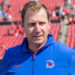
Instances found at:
x=24 y=45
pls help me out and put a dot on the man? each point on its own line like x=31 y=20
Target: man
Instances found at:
x=39 y=53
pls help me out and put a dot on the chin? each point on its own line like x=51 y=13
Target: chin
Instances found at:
x=38 y=42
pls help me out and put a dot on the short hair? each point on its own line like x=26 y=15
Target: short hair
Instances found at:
x=34 y=6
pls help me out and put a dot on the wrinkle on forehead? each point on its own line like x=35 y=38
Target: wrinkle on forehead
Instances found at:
x=30 y=15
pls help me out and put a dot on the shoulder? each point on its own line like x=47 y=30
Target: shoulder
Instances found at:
x=13 y=53
x=72 y=68
x=9 y=57
x=62 y=51
x=62 y=47
x=13 y=50
x=10 y=53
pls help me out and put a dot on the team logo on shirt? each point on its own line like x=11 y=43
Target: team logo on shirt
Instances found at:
x=50 y=64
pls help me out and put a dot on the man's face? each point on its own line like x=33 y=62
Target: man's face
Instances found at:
x=36 y=26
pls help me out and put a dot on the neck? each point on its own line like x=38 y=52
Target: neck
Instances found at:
x=35 y=47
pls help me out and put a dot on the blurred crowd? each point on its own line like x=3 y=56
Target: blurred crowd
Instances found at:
x=66 y=13
x=15 y=29
x=5 y=14
x=5 y=8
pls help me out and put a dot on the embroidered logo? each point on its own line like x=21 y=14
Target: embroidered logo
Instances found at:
x=16 y=66
x=50 y=64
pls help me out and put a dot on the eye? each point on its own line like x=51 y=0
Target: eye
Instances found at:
x=31 y=24
x=42 y=23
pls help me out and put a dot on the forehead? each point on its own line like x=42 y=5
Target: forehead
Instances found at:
x=33 y=14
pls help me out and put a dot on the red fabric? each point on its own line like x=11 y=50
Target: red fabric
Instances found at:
x=65 y=11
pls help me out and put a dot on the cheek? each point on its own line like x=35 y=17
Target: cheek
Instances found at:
x=28 y=31
x=46 y=28
x=25 y=30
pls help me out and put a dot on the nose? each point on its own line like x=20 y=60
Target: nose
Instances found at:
x=37 y=28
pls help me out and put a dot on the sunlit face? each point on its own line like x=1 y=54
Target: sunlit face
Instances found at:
x=36 y=26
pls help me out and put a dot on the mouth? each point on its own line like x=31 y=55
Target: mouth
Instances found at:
x=37 y=36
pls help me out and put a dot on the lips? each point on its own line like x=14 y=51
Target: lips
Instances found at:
x=37 y=37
